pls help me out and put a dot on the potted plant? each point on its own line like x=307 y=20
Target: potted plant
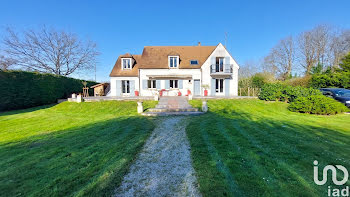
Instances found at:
x=206 y=87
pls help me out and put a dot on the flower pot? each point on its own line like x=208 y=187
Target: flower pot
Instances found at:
x=136 y=93
x=205 y=92
x=179 y=93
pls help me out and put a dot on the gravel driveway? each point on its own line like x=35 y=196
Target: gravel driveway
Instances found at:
x=163 y=168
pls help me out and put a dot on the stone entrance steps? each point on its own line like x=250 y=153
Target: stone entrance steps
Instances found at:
x=168 y=106
x=173 y=110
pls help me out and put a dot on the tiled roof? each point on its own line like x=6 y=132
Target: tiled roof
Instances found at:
x=156 y=57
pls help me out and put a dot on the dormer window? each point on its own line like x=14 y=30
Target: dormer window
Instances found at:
x=126 y=63
x=194 y=62
x=173 y=61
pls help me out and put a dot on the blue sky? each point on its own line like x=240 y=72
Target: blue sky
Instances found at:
x=118 y=27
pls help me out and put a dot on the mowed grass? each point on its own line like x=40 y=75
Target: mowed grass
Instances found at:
x=258 y=148
x=70 y=149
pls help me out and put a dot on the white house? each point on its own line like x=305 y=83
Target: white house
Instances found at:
x=176 y=70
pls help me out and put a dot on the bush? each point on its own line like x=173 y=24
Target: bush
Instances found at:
x=280 y=92
x=336 y=79
x=317 y=104
x=290 y=93
x=299 y=81
x=20 y=89
x=271 y=92
x=258 y=81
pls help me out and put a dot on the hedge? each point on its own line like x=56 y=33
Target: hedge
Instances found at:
x=336 y=79
x=21 y=89
x=281 y=92
x=317 y=104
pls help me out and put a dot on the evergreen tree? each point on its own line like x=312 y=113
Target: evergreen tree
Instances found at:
x=345 y=63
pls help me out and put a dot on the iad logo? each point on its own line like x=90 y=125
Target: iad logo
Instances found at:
x=335 y=191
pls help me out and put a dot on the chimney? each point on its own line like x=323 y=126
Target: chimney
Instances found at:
x=199 y=43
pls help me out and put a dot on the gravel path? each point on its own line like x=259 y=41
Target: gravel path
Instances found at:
x=164 y=167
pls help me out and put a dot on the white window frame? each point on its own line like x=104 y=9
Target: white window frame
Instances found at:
x=177 y=61
x=125 y=87
x=123 y=66
x=153 y=84
x=220 y=86
x=175 y=84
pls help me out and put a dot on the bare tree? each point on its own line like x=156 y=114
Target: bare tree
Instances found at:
x=269 y=64
x=281 y=58
x=307 y=51
x=6 y=63
x=321 y=36
x=314 y=47
x=248 y=69
x=50 y=51
x=339 y=46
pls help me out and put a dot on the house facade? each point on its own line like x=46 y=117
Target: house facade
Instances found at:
x=176 y=70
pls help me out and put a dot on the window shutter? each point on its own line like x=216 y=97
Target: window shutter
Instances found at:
x=227 y=87
x=118 y=87
x=144 y=84
x=180 y=84
x=132 y=87
x=167 y=84
x=158 y=84
x=227 y=65
x=212 y=87
x=212 y=64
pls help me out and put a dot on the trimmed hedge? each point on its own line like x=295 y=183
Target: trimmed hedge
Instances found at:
x=280 y=92
x=317 y=104
x=20 y=89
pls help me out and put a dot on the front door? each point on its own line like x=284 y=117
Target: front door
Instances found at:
x=196 y=88
x=126 y=87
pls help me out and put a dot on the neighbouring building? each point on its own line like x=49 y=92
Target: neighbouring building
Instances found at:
x=176 y=70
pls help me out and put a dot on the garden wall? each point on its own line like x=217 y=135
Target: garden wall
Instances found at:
x=20 y=89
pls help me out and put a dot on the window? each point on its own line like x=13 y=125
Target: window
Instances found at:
x=173 y=84
x=194 y=62
x=126 y=86
x=151 y=84
x=219 y=86
x=173 y=61
x=219 y=64
x=126 y=63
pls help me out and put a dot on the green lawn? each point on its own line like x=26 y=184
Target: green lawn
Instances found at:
x=69 y=149
x=258 y=148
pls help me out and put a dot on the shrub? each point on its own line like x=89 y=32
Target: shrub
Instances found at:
x=317 y=104
x=299 y=81
x=258 y=81
x=271 y=92
x=20 y=89
x=290 y=93
x=280 y=92
x=336 y=79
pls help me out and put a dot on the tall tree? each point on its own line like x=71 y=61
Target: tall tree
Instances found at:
x=269 y=65
x=345 y=63
x=50 y=51
x=283 y=55
x=339 y=46
x=307 y=51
